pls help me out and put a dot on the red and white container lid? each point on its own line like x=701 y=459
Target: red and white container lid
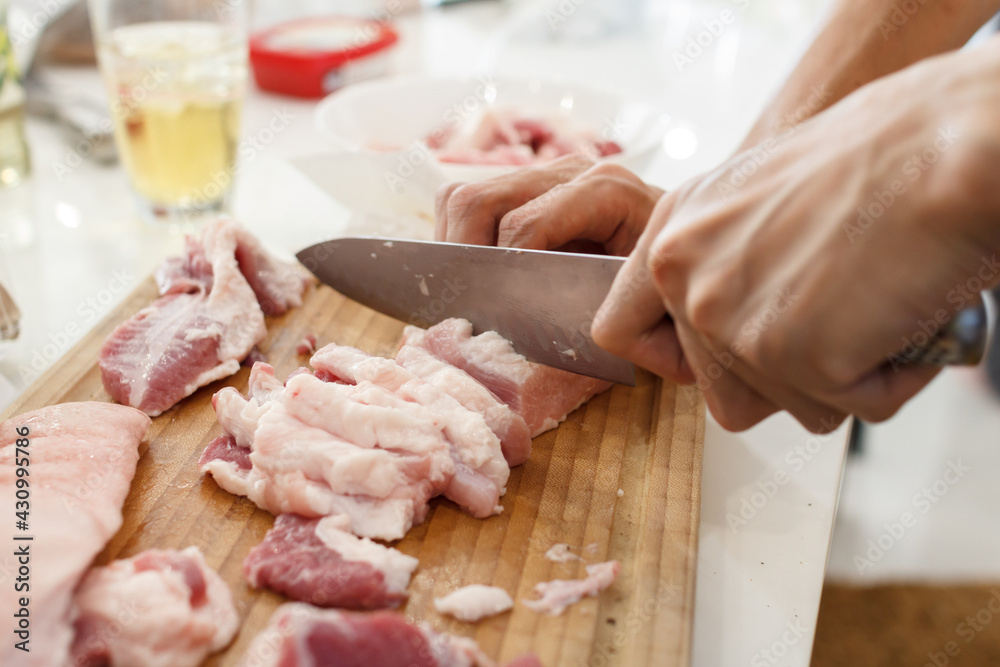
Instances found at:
x=315 y=56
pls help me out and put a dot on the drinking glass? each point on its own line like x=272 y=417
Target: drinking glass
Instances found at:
x=176 y=74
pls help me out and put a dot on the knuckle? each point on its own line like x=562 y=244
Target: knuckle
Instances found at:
x=445 y=191
x=611 y=170
x=466 y=198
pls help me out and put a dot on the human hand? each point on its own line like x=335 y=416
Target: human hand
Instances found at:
x=552 y=206
x=792 y=283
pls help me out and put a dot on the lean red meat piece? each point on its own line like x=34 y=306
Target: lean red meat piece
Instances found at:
x=301 y=635
x=543 y=396
x=510 y=427
x=81 y=458
x=158 y=609
x=209 y=317
x=319 y=562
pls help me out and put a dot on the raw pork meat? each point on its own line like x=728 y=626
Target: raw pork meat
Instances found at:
x=317 y=561
x=210 y=315
x=81 y=458
x=321 y=448
x=510 y=427
x=474 y=602
x=481 y=471
x=543 y=396
x=515 y=137
x=158 y=609
x=561 y=593
x=300 y=635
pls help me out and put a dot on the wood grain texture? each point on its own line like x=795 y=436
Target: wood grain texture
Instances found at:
x=646 y=441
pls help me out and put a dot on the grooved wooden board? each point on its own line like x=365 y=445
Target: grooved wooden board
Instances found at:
x=645 y=440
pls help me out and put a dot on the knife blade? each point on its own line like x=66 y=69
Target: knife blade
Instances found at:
x=543 y=302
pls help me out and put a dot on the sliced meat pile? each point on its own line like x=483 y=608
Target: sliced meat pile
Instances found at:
x=208 y=318
x=81 y=458
x=317 y=448
x=317 y=561
x=300 y=635
x=543 y=396
x=355 y=450
x=515 y=137
x=158 y=609
x=561 y=593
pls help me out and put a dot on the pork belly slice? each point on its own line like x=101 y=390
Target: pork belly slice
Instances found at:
x=301 y=635
x=158 y=609
x=319 y=449
x=510 y=427
x=207 y=320
x=474 y=602
x=543 y=396
x=319 y=562
x=481 y=472
x=81 y=460
x=561 y=593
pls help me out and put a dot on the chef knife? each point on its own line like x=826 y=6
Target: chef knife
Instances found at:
x=542 y=301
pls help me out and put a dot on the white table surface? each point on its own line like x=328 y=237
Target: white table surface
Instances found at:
x=759 y=581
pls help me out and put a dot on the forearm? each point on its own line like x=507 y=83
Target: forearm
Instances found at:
x=863 y=40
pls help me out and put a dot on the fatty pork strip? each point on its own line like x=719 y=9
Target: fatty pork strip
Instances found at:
x=510 y=427
x=475 y=602
x=543 y=396
x=319 y=562
x=80 y=459
x=158 y=609
x=558 y=594
x=208 y=318
x=481 y=472
x=301 y=635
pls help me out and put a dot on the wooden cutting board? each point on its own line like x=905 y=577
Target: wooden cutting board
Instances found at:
x=620 y=479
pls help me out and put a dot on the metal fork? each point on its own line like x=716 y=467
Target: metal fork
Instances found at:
x=10 y=316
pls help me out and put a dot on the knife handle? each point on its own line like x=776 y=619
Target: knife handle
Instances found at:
x=962 y=341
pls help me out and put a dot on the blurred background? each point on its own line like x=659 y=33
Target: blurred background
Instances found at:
x=72 y=243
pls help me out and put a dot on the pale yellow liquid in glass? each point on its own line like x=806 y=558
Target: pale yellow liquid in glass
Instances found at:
x=177 y=90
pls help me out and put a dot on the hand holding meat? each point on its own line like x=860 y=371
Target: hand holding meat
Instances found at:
x=792 y=283
x=568 y=202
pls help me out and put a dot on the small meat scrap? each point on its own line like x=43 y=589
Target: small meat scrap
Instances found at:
x=300 y=635
x=318 y=561
x=561 y=593
x=543 y=396
x=307 y=346
x=560 y=553
x=209 y=316
x=474 y=602
x=159 y=609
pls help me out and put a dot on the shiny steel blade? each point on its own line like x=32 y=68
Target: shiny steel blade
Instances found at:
x=542 y=302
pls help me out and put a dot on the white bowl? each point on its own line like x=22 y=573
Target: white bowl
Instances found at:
x=397 y=114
